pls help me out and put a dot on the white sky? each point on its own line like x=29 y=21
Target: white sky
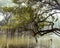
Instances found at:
x=1 y=17
x=6 y=3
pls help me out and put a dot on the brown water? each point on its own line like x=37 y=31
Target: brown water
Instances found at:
x=46 y=41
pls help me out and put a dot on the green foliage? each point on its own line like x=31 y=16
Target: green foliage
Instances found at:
x=8 y=9
x=20 y=1
x=22 y=16
x=16 y=1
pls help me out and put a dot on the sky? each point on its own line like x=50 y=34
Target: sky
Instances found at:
x=6 y=3
x=1 y=17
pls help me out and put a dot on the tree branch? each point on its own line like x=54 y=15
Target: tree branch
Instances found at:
x=42 y=32
x=48 y=16
x=57 y=33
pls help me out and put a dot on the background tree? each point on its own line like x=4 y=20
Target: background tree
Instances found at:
x=31 y=16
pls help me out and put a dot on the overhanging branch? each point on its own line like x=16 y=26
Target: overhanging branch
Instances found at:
x=48 y=16
x=42 y=32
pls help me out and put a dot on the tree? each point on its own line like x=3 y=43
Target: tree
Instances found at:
x=32 y=17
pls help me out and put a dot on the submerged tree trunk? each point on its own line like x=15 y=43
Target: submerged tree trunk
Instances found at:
x=10 y=33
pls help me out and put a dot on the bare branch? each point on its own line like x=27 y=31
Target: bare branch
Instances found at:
x=47 y=31
x=48 y=16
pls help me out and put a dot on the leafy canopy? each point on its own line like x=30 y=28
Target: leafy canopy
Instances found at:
x=22 y=16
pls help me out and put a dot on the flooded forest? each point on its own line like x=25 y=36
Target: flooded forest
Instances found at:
x=29 y=24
